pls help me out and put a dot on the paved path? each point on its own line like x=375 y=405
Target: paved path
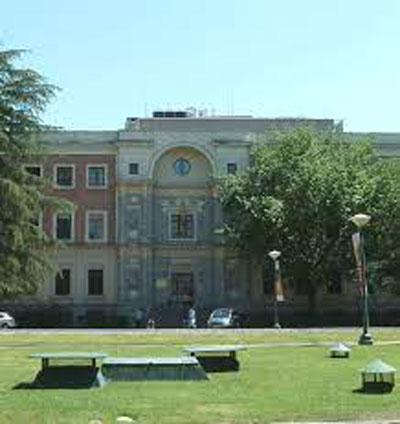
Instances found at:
x=347 y=332
x=198 y=331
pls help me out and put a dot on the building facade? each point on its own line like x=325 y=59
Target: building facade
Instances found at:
x=145 y=229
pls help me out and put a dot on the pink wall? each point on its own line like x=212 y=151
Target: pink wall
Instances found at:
x=83 y=198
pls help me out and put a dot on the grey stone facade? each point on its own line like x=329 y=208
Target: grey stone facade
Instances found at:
x=153 y=265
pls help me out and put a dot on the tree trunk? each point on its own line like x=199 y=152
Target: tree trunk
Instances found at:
x=312 y=299
x=309 y=287
x=257 y=286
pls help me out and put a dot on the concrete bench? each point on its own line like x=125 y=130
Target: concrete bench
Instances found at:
x=153 y=368
x=69 y=370
x=215 y=358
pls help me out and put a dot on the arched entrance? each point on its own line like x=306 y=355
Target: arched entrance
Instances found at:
x=182 y=215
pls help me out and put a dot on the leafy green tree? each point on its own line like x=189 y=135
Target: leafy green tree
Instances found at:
x=24 y=247
x=299 y=192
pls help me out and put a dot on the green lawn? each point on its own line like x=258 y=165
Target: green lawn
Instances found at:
x=279 y=383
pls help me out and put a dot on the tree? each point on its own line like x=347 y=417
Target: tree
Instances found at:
x=298 y=195
x=24 y=247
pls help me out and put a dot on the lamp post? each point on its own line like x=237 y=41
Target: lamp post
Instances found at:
x=274 y=255
x=360 y=220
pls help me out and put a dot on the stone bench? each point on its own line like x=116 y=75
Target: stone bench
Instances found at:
x=153 y=368
x=216 y=358
x=69 y=370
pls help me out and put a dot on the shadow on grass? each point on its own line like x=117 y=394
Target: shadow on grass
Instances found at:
x=67 y=377
x=380 y=390
x=218 y=363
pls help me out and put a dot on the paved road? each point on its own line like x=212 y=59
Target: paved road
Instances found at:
x=199 y=331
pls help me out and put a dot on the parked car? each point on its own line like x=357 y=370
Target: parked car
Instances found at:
x=6 y=320
x=225 y=318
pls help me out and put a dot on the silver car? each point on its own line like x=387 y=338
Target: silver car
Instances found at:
x=6 y=320
x=224 y=318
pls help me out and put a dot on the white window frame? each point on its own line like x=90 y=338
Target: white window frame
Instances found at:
x=105 y=218
x=171 y=237
x=72 y=226
x=64 y=296
x=64 y=165
x=34 y=165
x=97 y=165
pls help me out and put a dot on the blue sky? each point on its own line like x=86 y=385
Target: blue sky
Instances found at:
x=302 y=58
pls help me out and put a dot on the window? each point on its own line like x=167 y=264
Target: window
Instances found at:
x=65 y=176
x=182 y=226
x=34 y=170
x=63 y=283
x=96 y=226
x=182 y=166
x=64 y=227
x=133 y=169
x=96 y=176
x=95 y=282
x=231 y=168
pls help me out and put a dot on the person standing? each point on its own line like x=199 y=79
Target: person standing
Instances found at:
x=192 y=318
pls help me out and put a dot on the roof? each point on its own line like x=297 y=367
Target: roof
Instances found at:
x=340 y=347
x=229 y=123
x=378 y=367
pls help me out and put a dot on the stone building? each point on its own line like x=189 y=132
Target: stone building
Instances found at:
x=144 y=233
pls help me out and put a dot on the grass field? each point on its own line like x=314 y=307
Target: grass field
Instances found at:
x=277 y=381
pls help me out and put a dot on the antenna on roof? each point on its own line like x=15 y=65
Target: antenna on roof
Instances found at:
x=191 y=111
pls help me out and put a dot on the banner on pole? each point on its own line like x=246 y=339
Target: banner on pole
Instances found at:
x=356 y=238
x=278 y=284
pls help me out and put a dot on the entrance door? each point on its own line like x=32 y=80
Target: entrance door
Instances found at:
x=183 y=287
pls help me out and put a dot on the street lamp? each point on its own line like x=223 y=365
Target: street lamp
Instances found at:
x=274 y=255
x=360 y=220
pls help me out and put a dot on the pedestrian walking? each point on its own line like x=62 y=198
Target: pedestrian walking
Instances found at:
x=151 y=323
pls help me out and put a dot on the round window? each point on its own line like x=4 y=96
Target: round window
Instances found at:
x=182 y=166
